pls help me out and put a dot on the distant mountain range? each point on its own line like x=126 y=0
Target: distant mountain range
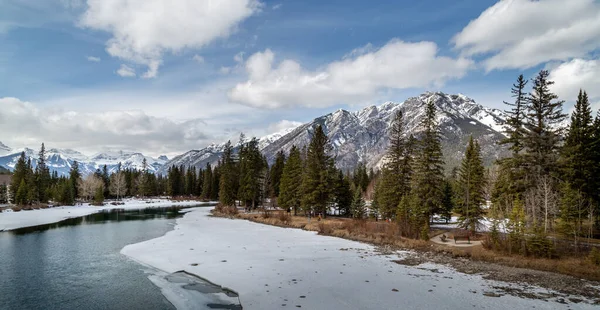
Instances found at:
x=362 y=136
x=61 y=160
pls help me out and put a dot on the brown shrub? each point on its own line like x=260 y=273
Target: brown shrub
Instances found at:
x=226 y=210
x=285 y=218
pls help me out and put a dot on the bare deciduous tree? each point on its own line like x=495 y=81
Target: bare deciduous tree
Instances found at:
x=88 y=186
x=117 y=184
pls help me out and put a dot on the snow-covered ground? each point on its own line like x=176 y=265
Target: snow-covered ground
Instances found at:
x=12 y=220
x=277 y=268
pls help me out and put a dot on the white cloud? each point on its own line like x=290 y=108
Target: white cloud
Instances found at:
x=282 y=125
x=199 y=59
x=126 y=71
x=239 y=57
x=277 y=6
x=225 y=70
x=396 y=65
x=576 y=74
x=93 y=59
x=143 y=30
x=24 y=124
x=525 y=33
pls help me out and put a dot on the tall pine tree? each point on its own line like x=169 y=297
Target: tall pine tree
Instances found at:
x=290 y=192
x=317 y=177
x=428 y=178
x=471 y=182
x=543 y=135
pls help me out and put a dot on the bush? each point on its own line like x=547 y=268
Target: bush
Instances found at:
x=594 y=256
x=226 y=210
x=325 y=229
x=284 y=217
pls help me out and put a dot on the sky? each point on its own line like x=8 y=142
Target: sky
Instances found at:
x=167 y=76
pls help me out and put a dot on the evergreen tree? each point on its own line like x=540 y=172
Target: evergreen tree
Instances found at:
x=21 y=194
x=577 y=152
x=276 y=173
x=318 y=176
x=342 y=194
x=471 y=182
x=99 y=196
x=397 y=172
x=428 y=177
x=207 y=182
x=74 y=176
x=543 y=135
x=228 y=180
x=290 y=194
x=447 y=201
x=42 y=176
x=19 y=176
x=358 y=207
x=514 y=122
x=251 y=173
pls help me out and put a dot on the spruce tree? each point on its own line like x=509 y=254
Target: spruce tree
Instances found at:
x=358 y=207
x=251 y=168
x=19 y=176
x=276 y=173
x=74 y=176
x=315 y=183
x=42 y=175
x=290 y=192
x=342 y=194
x=578 y=150
x=543 y=135
x=471 y=182
x=513 y=127
x=228 y=180
x=207 y=182
x=428 y=177
x=21 y=194
x=397 y=172
x=447 y=201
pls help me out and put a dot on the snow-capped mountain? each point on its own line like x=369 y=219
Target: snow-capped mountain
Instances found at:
x=61 y=160
x=212 y=153
x=362 y=136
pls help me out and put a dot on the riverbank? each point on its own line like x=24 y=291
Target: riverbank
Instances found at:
x=28 y=218
x=273 y=267
x=568 y=276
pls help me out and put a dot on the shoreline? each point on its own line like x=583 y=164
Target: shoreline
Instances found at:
x=30 y=218
x=271 y=267
x=458 y=258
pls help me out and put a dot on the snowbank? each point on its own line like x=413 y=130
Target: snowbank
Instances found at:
x=14 y=220
x=277 y=268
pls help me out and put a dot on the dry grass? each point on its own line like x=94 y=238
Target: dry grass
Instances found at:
x=580 y=267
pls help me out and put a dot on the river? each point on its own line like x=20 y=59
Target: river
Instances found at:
x=76 y=264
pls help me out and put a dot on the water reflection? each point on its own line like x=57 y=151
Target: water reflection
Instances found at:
x=105 y=216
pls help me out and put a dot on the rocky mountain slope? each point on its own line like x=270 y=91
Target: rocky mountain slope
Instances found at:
x=61 y=160
x=362 y=136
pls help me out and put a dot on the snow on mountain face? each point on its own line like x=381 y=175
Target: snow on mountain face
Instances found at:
x=212 y=153
x=362 y=136
x=61 y=160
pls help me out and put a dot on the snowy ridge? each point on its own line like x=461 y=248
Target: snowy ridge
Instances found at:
x=362 y=136
x=212 y=153
x=61 y=160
